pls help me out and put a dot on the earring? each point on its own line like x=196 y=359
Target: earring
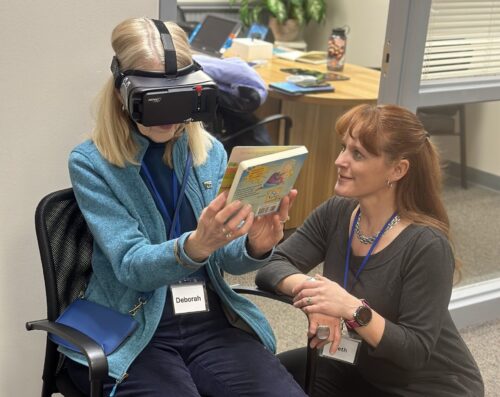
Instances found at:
x=389 y=184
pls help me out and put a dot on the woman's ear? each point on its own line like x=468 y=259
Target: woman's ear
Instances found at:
x=400 y=169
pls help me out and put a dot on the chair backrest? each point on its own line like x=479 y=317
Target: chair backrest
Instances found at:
x=65 y=245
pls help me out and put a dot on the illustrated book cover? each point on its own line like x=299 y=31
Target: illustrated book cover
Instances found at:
x=262 y=175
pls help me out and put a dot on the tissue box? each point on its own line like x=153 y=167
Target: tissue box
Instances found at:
x=251 y=49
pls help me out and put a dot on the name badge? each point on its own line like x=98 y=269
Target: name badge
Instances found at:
x=189 y=297
x=347 y=350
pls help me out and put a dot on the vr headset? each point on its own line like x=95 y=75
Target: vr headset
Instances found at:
x=175 y=96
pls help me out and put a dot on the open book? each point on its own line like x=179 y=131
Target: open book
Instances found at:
x=312 y=57
x=262 y=175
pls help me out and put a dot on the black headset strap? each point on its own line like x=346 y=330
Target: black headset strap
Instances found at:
x=170 y=61
x=168 y=48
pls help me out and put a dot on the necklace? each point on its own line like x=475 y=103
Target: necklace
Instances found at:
x=370 y=239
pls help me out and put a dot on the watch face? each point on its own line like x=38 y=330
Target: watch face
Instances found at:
x=363 y=315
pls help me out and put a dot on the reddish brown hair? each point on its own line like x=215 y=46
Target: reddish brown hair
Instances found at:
x=396 y=133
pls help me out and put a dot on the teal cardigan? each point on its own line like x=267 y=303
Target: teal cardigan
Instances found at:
x=131 y=256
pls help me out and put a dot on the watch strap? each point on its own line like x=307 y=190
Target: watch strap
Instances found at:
x=351 y=324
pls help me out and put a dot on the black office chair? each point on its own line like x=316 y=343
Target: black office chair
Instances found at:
x=65 y=245
x=447 y=120
x=235 y=123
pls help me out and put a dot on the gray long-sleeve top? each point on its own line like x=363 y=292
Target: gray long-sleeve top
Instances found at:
x=409 y=283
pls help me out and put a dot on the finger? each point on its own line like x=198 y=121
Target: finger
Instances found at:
x=319 y=277
x=298 y=288
x=311 y=282
x=304 y=302
x=216 y=205
x=292 y=196
x=237 y=220
x=284 y=210
x=308 y=309
x=305 y=293
x=335 y=339
x=249 y=221
x=278 y=224
x=313 y=326
x=228 y=211
x=316 y=343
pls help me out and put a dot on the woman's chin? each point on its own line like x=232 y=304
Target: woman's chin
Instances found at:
x=340 y=190
x=166 y=127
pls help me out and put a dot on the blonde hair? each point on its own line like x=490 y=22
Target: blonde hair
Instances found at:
x=137 y=45
x=398 y=134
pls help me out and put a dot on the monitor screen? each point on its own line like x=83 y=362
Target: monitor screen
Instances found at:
x=213 y=33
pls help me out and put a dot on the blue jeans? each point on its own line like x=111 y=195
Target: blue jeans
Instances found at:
x=199 y=354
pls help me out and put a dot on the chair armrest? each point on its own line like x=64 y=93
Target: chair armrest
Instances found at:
x=269 y=119
x=98 y=363
x=260 y=292
x=310 y=371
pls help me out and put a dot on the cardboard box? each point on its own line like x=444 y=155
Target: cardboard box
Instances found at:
x=251 y=49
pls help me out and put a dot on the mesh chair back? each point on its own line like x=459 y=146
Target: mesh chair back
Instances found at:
x=65 y=245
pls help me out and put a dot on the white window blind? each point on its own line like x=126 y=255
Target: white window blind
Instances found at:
x=463 y=40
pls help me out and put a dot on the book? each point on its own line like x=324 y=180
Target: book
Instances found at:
x=311 y=57
x=262 y=175
x=290 y=88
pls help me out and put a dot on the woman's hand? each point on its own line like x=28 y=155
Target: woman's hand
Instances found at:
x=324 y=296
x=333 y=324
x=267 y=231
x=217 y=226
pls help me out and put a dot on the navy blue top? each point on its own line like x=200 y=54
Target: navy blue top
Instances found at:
x=162 y=174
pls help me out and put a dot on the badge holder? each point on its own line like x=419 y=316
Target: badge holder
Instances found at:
x=189 y=297
x=348 y=349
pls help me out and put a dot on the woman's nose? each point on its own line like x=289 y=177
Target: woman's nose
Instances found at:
x=340 y=160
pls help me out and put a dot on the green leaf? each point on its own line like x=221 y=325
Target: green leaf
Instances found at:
x=256 y=13
x=315 y=10
x=298 y=13
x=245 y=13
x=297 y=3
x=278 y=9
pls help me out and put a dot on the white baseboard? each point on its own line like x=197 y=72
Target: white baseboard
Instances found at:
x=476 y=303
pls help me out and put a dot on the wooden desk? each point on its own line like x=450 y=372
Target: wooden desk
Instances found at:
x=314 y=118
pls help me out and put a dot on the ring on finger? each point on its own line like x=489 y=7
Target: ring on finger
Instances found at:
x=322 y=332
x=309 y=301
x=241 y=224
x=283 y=221
x=228 y=235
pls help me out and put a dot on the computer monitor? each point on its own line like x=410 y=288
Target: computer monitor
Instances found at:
x=212 y=33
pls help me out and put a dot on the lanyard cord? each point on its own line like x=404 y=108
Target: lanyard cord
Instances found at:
x=372 y=247
x=175 y=226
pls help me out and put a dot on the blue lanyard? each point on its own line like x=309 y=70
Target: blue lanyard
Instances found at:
x=372 y=247
x=175 y=224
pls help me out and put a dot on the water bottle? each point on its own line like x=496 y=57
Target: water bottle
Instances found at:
x=336 y=50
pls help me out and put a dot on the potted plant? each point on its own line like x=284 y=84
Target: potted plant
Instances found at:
x=285 y=17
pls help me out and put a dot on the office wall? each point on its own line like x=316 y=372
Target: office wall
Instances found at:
x=55 y=55
x=365 y=40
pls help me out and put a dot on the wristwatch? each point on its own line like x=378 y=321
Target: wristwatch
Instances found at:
x=362 y=316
